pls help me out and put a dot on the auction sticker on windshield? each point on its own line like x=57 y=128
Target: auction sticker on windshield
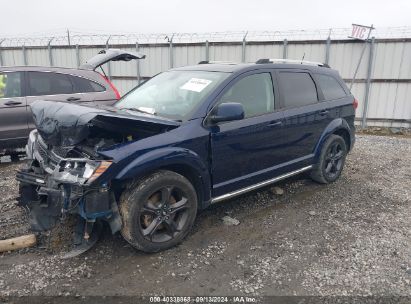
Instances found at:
x=196 y=84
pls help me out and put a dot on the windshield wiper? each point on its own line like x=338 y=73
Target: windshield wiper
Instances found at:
x=139 y=110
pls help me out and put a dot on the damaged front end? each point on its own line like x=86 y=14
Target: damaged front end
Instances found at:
x=64 y=173
x=59 y=181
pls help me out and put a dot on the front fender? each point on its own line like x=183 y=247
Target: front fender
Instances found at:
x=168 y=156
x=333 y=126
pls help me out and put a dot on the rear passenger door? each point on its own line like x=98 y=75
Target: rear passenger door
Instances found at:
x=13 y=118
x=304 y=116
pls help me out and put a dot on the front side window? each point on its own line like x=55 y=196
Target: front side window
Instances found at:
x=254 y=92
x=10 y=85
x=173 y=94
x=48 y=83
x=297 y=89
x=330 y=87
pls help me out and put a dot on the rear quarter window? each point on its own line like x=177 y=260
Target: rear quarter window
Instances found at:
x=330 y=87
x=83 y=85
x=297 y=89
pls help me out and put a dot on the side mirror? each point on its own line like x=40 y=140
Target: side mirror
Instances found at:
x=227 y=112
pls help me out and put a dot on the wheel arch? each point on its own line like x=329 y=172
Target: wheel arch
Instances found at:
x=338 y=127
x=182 y=161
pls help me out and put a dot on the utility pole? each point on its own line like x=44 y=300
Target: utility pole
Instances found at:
x=357 y=33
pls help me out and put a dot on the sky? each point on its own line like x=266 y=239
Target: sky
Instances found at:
x=23 y=17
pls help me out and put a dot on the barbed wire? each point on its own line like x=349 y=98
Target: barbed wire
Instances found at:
x=84 y=38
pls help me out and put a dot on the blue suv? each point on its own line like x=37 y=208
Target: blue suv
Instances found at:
x=185 y=139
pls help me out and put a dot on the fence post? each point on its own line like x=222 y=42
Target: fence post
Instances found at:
x=138 y=65
x=170 y=51
x=68 y=37
x=243 y=48
x=50 y=54
x=23 y=49
x=77 y=56
x=285 y=46
x=108 y=63
x=207 y=50
x=368 y=84
x=327 y=50
x=1 y=57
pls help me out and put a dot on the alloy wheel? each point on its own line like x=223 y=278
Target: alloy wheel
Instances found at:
x=164 y=214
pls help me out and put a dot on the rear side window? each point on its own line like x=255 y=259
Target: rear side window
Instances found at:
x=330 y=87
x=298 y=89
x=83 y=85
x=254 y=92
x=10 y=85
x=48 y=83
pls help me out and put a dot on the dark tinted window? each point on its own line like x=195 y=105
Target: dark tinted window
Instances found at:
x=48 y=83
x=330 y=87
x=10 y=85
x=82 y=85
x=298 y=89
x=254 y=92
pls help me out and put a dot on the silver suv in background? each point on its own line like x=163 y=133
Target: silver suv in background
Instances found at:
x=21 y=86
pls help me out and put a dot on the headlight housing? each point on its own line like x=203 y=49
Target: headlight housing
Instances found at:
x=98 y=170
x=80 y=171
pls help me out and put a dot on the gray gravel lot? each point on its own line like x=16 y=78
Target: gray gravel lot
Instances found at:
x=349 y=238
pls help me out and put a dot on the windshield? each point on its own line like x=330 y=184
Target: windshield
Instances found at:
x=172 y=94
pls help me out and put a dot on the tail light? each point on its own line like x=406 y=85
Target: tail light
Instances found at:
x=118 y=96
x=355 y=104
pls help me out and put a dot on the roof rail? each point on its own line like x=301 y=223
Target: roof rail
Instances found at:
x=291 y=61
x=216 y=62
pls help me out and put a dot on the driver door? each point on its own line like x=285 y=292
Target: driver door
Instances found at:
x=247 y=151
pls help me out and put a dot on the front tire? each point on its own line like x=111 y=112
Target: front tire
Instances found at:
x=158 y=211
x=331 y=161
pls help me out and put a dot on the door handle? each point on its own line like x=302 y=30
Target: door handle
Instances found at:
x=323 y=112
x=73 y=98
x=12 y=103
x=275 y=124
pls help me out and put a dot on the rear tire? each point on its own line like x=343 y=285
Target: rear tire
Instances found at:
x=331 y=161
x=158 y=211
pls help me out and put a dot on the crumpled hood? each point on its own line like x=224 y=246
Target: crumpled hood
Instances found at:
x=67 y=124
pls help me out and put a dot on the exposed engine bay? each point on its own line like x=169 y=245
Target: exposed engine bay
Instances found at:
x=63 y=172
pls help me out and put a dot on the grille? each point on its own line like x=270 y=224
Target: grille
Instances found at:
x=62 y=151
x=48 y=159
x=41 y=147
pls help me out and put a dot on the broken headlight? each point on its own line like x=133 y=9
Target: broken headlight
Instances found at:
x=99 y=170
x=79 y=171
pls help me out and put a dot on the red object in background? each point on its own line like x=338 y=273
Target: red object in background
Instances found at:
x=118 y=96
x=355 y=104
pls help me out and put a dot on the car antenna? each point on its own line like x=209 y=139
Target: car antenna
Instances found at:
x=302 y=59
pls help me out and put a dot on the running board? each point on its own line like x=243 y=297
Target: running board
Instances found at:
x=259 y=185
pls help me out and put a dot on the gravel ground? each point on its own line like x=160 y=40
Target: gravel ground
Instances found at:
x=348 y=238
